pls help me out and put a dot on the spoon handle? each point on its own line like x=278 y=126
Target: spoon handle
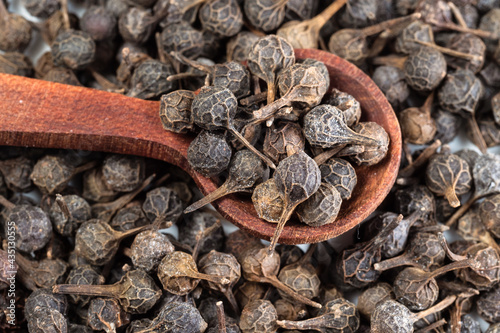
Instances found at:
x=50 y=115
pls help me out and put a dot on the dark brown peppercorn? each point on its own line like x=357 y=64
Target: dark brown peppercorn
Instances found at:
x=83 y=275
x=322 y=207
x=325 y=127
x=73 y=49
x=33 y=229
x=99 y=23
x=297 y=178
x=266 y=15
x=178 y=317
x=181 y=37
x=175 y=111
x=268 y=57
x=41 y=8
x=258 y=316
x=209 y=153
x=45 y=319
x=267 y=201
x=97 y=242
x=425 y=69
x=282 y=139
x=79 y=212
x=162 y=203
x=338 y=315
x=123 y=173
x=16 y=63
x=148 y=248
x=222 y=17
x=150 y=80
x=488 y=305
x=239 y=46
x=106 y=314
x=179 y=274
x=136 y=291
x=16 y=173
x=448 y=175
x=16 y=31
x=368 y=300
x=136 y=25
x=341 y=174
x=246 y=170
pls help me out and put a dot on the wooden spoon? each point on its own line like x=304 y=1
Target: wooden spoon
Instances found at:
x=50 y=115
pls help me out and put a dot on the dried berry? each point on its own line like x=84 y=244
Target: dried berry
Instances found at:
x=136 y=291
x=249 y=291
x=297 y=178
x=268 y=57
x=222 y=17
x=424 y=250
x=418 y=289
x=322 y=207
x=239 y=46
x=83 y=275
x=16 y=63
x=68 y=212
x=267 y=201
x=338 y=315
x=179 y=275
x=44 y=273
x=460 y=94
x=209 y=153
x=417 y=125
x=162 y=203
x=44 y=298
x=181 y=37
x=258 y=316
x=447 y=125
x=305 y=34
x=52 y=173
x=150 y=80
x=282 y=139
x=231 y=75
x=448 y=175
x=488 y=305
x=266 y=15
x=325 y=127
x=16 y=173
x=350 y=107
x=175 y=111
x=368 y=154
x=354 y=266
x=45 y=319
x=341 y=174
x=31 y=224
x=489 y=211
x=391 y=80
x=215 y=108
x=246 y=170
x=73 y=49
x=17 y=31
x=148 y=248
x=97 y=242
x=178 y=317
x=369 y=298
x=224 y=265
x=259 y=266
x=99 y=23
x=198 y=222
x=106 y=314
x=382 y=320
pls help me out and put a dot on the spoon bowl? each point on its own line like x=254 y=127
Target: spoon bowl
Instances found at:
x=43 y=114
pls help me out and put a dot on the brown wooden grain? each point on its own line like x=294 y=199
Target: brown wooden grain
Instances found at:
x=42 y=114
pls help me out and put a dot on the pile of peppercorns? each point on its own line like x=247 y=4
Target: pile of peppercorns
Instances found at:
x=89 y=250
